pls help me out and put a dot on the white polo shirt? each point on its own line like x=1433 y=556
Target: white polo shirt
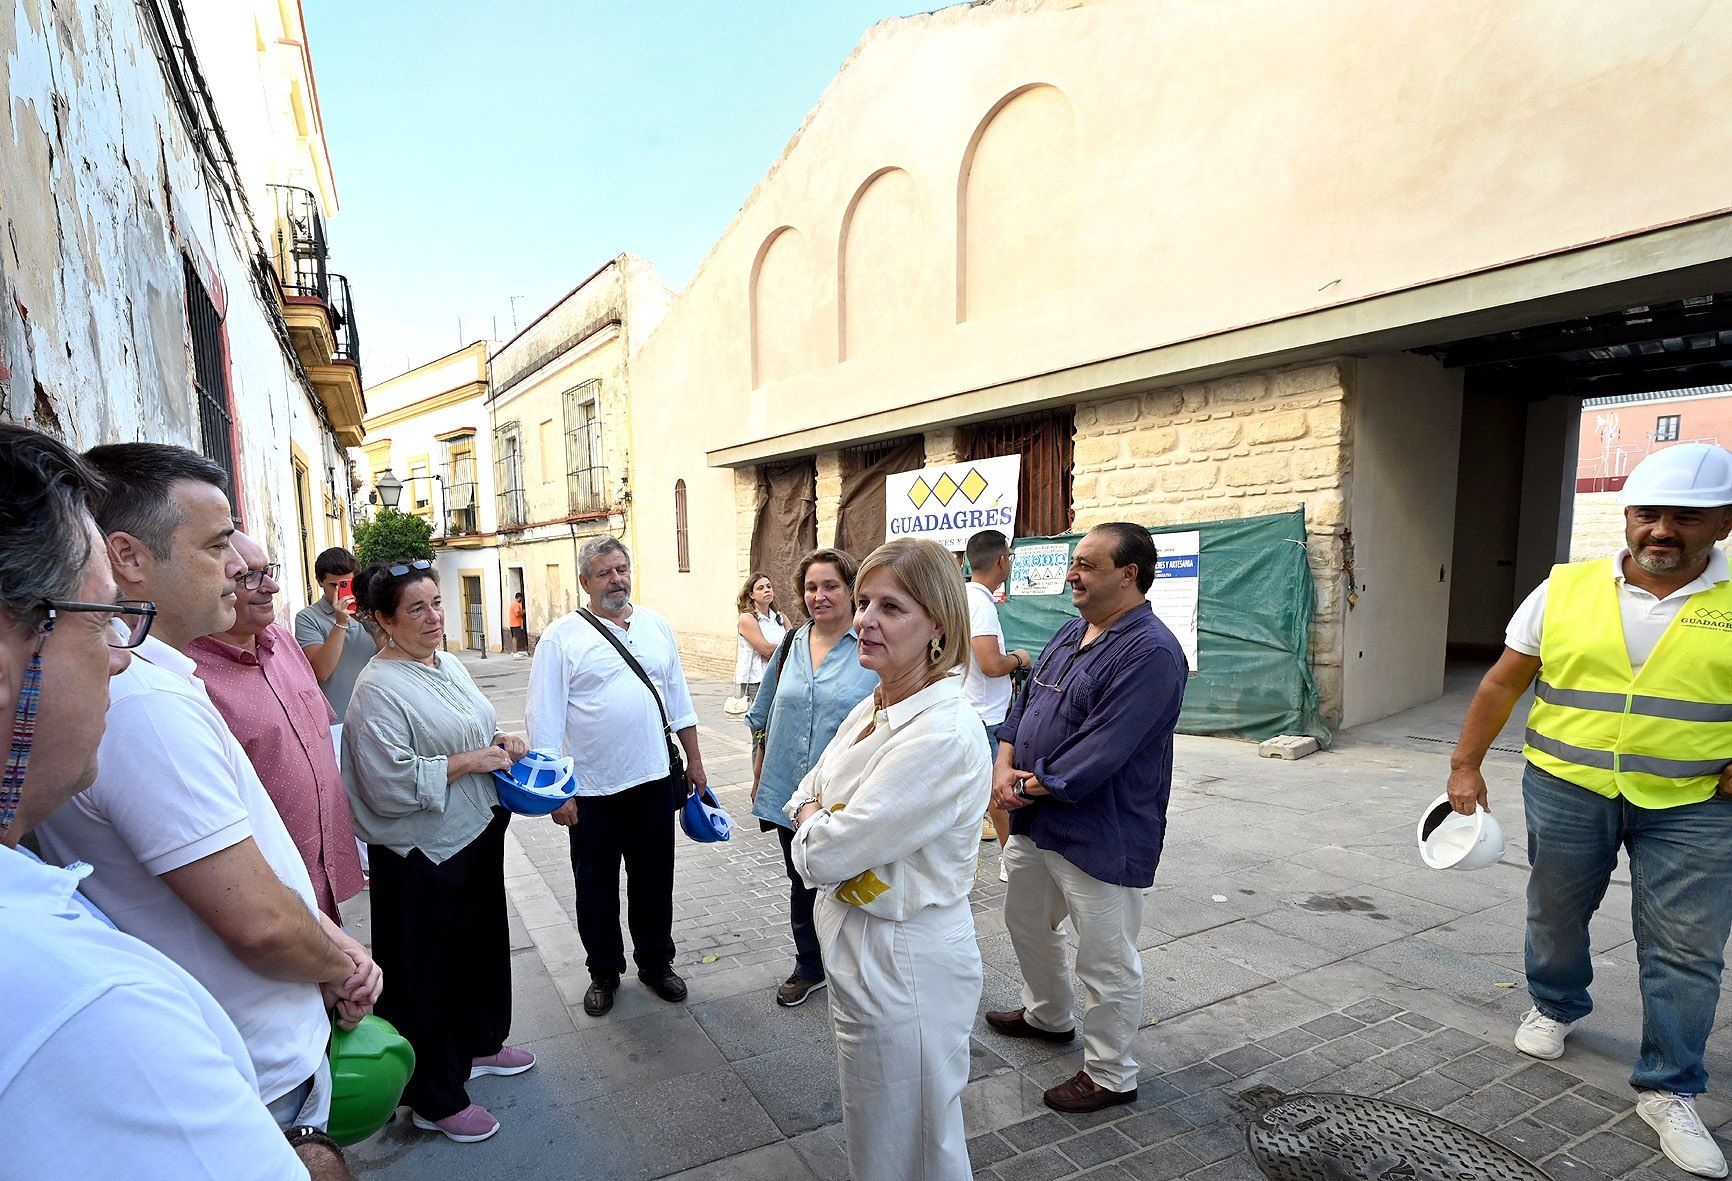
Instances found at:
x=1645 y=617
x=113 y=1061
x=585 y=701
x=173 y=787
x=990 y=696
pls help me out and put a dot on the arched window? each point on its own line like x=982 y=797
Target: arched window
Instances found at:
x=682 y=535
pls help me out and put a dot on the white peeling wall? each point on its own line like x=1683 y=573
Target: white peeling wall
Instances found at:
x=101 y=193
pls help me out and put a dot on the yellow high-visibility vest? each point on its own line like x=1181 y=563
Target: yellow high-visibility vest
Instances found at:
x=1659 y=738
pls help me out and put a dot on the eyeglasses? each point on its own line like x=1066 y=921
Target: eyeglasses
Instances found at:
x=403 y=568
x=134 y=616
x=253 y=579
x=1064 y=669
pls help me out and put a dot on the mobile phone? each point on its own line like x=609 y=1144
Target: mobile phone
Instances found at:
x=345 y=595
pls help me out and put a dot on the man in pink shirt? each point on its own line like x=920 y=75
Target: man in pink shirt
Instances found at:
x=264 y=687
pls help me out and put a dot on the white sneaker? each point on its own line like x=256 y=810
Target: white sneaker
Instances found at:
x=1539 y=1036
x=1683 y=1139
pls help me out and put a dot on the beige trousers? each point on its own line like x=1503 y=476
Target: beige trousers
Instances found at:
x=1044 y=888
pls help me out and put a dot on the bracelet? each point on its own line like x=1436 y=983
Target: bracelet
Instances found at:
x=307 y=1134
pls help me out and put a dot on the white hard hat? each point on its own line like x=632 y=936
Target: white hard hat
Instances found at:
x=1449 y=840
x=1690 y=475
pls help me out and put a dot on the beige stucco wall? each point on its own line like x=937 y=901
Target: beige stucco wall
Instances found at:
x=1050 y=184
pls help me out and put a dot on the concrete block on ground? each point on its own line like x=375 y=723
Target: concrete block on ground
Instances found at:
x=1288 y=747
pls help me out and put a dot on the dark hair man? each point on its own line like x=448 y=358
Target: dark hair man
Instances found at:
x=986 y=682
x=133 y=1066
x=189 y=852
x=336 y=643
x=1085 y=768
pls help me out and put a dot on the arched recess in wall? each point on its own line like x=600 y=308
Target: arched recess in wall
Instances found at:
x=889 y=276
x=1017 y=204
x=784 y=308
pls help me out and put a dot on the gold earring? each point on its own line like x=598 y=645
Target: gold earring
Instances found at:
x=937 y=649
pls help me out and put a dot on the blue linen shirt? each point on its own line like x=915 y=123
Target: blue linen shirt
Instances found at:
x=808 y=708
x=1102 y=746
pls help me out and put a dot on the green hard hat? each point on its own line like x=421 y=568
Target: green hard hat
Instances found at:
x=370 y=1066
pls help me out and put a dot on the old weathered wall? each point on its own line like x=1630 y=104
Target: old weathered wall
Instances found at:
x=101 y=196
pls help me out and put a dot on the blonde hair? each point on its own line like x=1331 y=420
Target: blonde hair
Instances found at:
x=928 y=574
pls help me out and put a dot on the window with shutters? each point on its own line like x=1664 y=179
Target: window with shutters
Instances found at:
x=1045 y=442
x=586 y=461
x=508 y=475
x=682 y=533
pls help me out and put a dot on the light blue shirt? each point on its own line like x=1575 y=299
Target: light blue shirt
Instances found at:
x=803 y=710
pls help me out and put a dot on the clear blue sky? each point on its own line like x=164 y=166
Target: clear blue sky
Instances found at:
x=488 y=151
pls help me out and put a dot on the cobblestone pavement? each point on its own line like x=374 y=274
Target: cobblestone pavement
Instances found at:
x=1292 y=941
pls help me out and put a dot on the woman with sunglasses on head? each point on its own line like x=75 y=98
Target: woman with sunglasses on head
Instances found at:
x=420 y=744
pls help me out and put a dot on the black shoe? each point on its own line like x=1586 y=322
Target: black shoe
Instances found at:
x=664 y=984
x=795 y=989
x=599 y=999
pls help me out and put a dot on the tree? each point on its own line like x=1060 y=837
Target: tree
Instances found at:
x=392 y=536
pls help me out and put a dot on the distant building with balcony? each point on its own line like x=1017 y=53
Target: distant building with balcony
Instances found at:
x=560 y=405
x=428 y=428
x=145 y=295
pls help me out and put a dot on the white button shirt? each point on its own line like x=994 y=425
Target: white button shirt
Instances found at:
x=113 y=1061
x=585 y=701
x=1645 y=617
x=173 y=787
x=898 y=825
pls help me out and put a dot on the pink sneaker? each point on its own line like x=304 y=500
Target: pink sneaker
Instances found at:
x=509 y=1060
x=472 y=1124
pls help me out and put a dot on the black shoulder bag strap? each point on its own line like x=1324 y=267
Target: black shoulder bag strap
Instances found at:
x=676 y=758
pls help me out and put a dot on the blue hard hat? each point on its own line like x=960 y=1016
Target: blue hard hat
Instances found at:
x=703 y=819
x=536 y=784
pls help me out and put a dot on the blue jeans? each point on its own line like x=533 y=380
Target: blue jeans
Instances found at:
x=1680 y=905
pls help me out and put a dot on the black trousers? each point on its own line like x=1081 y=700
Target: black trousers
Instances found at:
x=439 y=935
x=635 y=826
x=808 y=958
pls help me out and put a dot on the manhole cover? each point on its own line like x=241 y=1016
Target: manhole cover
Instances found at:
x=1352 y=1138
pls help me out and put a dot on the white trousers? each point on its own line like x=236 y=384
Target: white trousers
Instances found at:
x=1043 y=889
x=903 y=998
x=337 y=741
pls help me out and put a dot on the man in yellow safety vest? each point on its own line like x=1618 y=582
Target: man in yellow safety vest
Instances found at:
x=1629 y=745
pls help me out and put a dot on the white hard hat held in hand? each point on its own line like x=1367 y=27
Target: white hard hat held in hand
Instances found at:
x=1689 y=475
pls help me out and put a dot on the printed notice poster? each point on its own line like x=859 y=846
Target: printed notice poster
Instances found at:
x=1039 y=569
x=1174 y=595
x=951 y=503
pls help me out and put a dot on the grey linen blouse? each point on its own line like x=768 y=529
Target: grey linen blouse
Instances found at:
x=403 y=720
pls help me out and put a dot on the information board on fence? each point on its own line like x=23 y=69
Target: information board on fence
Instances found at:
x=954 y=501
x=1039 y=569
x=1174 y=594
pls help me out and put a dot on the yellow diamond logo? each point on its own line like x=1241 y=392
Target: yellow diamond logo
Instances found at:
x=973 y=484
x=919 y=492
x=944 y=489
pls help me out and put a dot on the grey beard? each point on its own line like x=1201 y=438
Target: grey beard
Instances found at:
x=615 y=600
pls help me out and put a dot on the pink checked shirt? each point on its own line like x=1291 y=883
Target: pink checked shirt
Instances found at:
x=273 y=704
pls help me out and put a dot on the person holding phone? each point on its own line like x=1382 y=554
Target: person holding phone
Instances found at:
x=336 y=643
x=420 y=744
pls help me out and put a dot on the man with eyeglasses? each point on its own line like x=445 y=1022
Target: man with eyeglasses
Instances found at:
x=264 y=687
x=189 y=852
x=113 y=1059
x=1085 y=769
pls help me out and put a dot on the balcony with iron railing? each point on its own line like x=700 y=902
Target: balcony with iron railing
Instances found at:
x=461 y=510
x=300 y=249
x=348 y=346
x=318 y=309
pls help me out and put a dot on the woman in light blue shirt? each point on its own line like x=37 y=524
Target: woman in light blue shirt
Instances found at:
x=809 y=687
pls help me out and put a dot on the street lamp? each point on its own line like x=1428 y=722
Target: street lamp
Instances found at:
x=389 y=488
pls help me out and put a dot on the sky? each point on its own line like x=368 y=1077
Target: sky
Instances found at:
x=489 y=157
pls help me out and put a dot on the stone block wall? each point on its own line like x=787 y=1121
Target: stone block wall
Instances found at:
x=829 y=490
x=1242 y=446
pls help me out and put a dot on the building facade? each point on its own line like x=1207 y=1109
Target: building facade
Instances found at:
x=560 y=403
x=1199 y=263
x=168 y=278
x=429 y=428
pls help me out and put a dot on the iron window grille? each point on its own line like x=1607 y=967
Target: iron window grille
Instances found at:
x=508 y=475
x=343 y=316
x=586 y=460
x=210 y=378
x=682 y=529
x=299 y=244
x=461 y=486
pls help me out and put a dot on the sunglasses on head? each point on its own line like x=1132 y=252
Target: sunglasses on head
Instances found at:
x=403 y=568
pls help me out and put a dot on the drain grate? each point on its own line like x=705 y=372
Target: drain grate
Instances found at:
x=1508 y=750
x=1329 y=1137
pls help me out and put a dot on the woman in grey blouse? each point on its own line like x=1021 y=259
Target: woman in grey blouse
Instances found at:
x=419 y=745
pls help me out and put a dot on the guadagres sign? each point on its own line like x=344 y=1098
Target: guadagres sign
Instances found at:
x=951 y=503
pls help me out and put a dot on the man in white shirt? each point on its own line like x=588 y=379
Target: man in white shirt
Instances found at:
x=585 y=700
x=112 y=1058
x=190 y=855
x=986 y=682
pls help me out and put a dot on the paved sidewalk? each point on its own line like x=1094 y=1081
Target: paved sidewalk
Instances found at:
x=1292 y=940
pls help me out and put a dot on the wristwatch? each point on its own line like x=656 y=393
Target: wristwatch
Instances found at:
x=1021 y=791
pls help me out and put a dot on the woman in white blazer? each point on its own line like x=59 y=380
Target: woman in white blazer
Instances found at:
x=887 y=830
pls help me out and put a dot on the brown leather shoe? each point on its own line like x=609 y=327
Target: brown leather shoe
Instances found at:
x=1011 y=1023
x=1082 y=1093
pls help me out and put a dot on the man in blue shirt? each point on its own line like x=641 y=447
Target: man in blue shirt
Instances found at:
x=1085 y=768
